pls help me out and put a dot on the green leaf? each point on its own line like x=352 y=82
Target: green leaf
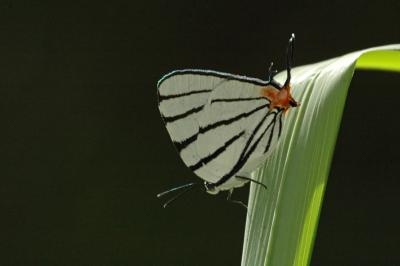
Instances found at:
x=282 y=221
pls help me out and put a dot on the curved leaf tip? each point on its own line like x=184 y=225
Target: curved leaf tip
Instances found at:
x=282 y=222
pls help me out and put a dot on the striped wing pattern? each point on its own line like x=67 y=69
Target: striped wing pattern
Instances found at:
x=219 y=123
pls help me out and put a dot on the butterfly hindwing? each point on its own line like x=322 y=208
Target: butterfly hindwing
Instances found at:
x=220 y=123
x=226 y=124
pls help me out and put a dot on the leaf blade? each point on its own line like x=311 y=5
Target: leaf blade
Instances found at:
x=281 y=222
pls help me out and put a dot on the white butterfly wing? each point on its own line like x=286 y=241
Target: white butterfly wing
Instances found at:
x=182 y=95
x=237 y=131
x=219 y=122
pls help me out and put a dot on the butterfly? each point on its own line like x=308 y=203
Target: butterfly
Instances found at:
x=224 y=126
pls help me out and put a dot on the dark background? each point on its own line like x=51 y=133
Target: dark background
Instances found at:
x=84 y=151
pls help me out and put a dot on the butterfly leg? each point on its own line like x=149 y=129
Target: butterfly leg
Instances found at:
x=229 y=198
x=252 y=180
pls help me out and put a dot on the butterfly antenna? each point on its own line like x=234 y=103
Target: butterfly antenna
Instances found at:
x=186 y=188
x=159 y=195
x=289 y=58
x=271 y=73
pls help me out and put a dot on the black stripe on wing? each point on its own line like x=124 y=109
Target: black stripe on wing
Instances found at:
x=271 y=135
x=180 y=145
x=256 y=129
x=227 y=100
x=280 y=125
x=169 y=119
x=173 y=96
x=231 y=120
x=216 y=153
x=246 y=152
